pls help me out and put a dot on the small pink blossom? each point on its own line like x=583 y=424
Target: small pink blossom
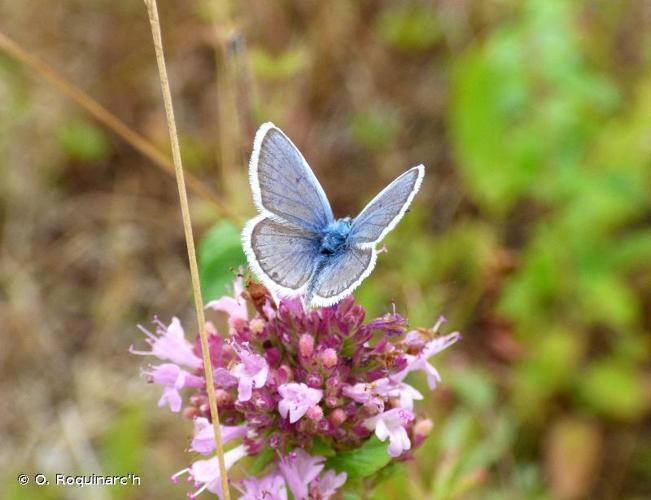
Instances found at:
x=206 y=472
x=299 y=469
x=297 y=399
x=204 y=437
x=251 y=373
x=374 y=393
x=172 y=378
x=169 y=344
x=391 y=424
x=329 y=483
x=235 y=307
x=419 y=361
x=270 y=487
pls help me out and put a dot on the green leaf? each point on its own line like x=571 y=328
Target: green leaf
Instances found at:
x=220 y=253
x=409 y=28
x=614 y=389
x=84 y=141
x=123 y=447
x=266 y=66
x=261 y=461
x=475 y=388
x=319 y=447
x=362 y=462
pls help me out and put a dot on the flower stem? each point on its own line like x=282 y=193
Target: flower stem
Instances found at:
x=152 y=9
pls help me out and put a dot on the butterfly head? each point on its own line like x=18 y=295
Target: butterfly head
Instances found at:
x=335 y=236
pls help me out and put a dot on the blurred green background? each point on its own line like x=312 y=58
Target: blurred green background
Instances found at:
x=532 y=232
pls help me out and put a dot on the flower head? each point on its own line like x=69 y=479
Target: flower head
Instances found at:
x=289 y=377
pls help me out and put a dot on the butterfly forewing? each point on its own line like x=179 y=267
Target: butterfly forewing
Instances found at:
x=283 y=183
x=285 y=254
x=385 y=210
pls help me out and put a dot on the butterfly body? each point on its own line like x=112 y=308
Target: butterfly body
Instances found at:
x=335 y=237
x=295 y=245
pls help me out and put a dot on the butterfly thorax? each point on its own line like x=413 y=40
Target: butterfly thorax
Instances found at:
x=334 y=236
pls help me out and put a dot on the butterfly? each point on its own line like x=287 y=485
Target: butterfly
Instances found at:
x=295 y=245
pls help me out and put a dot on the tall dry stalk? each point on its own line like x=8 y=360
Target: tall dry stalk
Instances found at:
x=152 y=9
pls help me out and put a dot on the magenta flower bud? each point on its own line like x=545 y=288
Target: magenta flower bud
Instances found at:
x=333 y=382
x=198 y=399
x=263 y=401
x=323 y=426
x=337 y=417
x=332 y=401
x=272 y=356
x=190 y=412
x=328 y=357
x=306 y=345
x=274 y=441
x=224 y=398
x=284 y=374
x=315 y=413
x=314 y=380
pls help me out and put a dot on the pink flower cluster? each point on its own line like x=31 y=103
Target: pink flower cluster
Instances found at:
x=287 y=377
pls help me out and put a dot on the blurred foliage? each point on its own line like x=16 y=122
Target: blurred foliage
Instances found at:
x=220 y=257
x=532 y=232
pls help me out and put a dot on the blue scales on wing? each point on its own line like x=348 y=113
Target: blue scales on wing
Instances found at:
x=285 y=253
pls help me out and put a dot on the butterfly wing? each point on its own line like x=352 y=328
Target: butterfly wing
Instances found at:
x=282 y=255
x=283 y=184
x=384 y=211
x=340 y=276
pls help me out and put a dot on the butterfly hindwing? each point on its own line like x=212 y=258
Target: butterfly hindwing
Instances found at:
x=384 y=211
x=283 y=183
x=282 y=255
x=341 y=275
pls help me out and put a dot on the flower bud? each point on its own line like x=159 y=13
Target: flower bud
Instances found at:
x=337 y=417
x=333 y=382
x=328 y=357
x=315 y=413
x=284 y=374
x=274 y=440
x=224 y=398
x=332 y=401
x=323 y=426
x=190 y=412
x=423 y=427
x=306 y=345
x=314 y=380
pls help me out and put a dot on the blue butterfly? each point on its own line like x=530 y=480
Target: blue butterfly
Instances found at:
x=295 y=245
